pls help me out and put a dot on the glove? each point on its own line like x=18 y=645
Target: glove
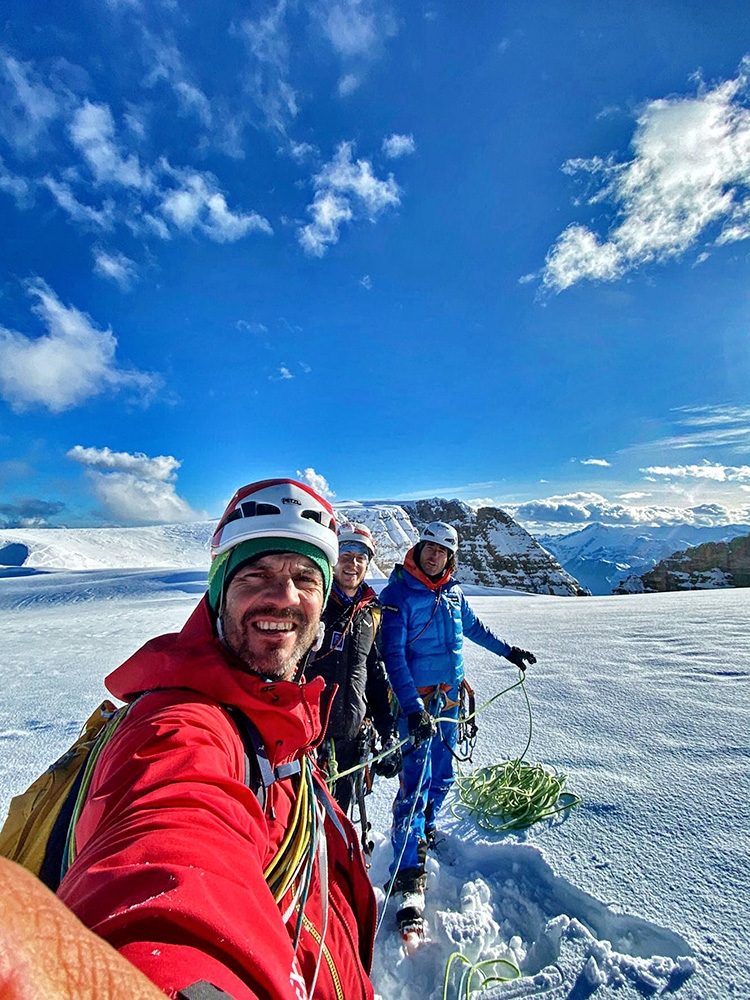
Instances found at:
x=517 y=657
x=390 y=764
x=421 y=726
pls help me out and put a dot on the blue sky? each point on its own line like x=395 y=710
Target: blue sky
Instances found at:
x=498 y=251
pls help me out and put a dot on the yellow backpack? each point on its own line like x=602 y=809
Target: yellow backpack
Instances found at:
x=38 y=830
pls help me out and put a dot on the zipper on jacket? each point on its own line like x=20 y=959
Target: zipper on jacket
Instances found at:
x=332 y=970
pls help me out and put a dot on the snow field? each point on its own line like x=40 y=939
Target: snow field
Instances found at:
x=642 y=701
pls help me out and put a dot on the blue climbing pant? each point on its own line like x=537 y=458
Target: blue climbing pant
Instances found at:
x=426 y=779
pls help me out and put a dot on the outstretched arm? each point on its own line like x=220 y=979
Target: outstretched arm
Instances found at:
x=47 y=952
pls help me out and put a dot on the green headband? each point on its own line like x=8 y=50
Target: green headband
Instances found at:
x=224 y=566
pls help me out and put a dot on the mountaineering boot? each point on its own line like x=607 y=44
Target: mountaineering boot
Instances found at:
x=410 y=884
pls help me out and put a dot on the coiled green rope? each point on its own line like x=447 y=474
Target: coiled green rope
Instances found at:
x=512 y=795
x=473 y=969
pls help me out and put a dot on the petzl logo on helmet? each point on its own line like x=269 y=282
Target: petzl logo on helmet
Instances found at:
x=290 y=500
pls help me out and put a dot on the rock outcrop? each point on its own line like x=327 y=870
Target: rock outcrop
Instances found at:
x=704 y=567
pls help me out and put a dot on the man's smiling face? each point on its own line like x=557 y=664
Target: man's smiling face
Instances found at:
x=271 y=613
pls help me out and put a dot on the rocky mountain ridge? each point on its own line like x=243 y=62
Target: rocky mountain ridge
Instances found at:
x=494 y=550
x=703 y=567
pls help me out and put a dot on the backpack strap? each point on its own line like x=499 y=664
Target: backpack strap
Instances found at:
x=259 y=774
x=59 y=851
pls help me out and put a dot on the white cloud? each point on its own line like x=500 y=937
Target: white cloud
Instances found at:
x=329 y=211
x=198 y=204
x=168 y=65
x=723 y=426
x=160 y=469
x=355 y=28
x=71 y=363
x=92 y=132
x=396 y=145
x=596 y=461
x=714 y=416
x=134 y=489
x=579 y=509
x=86 y=215
x=689 y=178
x=350 y=26
x=345 y=190
x=268 y=81
x=707 y=470
x=27 y=105
x=116 y=267
x=366 y=282
x=636 y=495
x=17 y=187
x=257 y=328
x=281 y=375
x=301 y=151
x=319 y=483
x=357 y=31
x=348 y=83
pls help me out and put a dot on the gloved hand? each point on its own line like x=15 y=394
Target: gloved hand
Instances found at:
x=517 y=656
x=421 y=726
x=390 y=764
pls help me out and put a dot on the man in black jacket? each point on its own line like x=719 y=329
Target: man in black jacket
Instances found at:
x=349 y=657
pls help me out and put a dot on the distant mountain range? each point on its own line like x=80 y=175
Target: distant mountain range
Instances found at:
x=600 y=556
x=495 y=552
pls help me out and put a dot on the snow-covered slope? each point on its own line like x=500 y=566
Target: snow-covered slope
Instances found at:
x=599 y=556
x=180 y=546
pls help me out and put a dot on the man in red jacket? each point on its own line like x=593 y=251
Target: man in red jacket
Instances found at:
x=208 y=886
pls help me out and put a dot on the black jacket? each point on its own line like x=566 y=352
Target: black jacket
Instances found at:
x=350 y=658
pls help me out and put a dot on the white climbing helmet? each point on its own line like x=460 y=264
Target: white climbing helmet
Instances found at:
x=277 y=508
x=441 y=534
x=359 y=533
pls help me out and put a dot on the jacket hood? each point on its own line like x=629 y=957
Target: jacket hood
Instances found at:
x=195 y=659
x=411 y=567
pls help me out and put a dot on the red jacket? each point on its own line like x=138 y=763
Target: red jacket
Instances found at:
x=172 y=843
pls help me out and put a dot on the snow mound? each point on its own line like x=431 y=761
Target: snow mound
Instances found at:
x=502 y=908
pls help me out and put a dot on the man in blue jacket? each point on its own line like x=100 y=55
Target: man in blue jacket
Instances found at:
x=426 y=618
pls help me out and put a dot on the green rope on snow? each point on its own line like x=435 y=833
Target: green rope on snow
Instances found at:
x=477 y=969
x=512 y=795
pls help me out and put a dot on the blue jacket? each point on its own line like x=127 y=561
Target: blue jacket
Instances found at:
x=423 y=632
